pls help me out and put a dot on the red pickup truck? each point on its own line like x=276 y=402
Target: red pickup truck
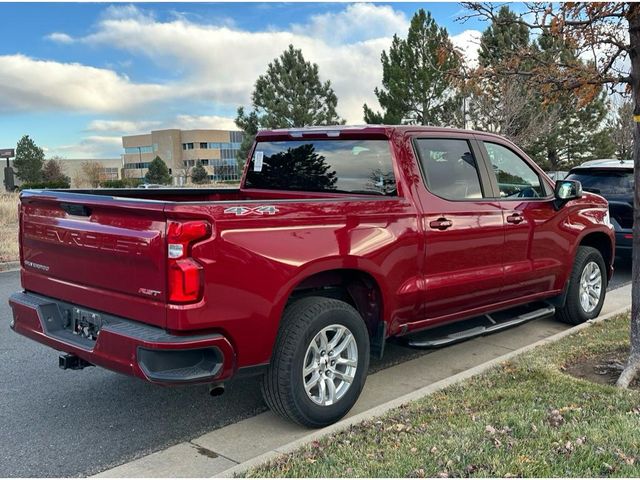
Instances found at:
x=337 y=239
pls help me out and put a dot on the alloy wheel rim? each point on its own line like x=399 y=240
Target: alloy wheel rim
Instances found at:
x=590 y=287
x=330 y=365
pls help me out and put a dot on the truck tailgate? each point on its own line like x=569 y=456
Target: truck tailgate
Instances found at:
x=102 y=252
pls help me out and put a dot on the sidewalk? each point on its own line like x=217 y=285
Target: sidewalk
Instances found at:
x=236 y=447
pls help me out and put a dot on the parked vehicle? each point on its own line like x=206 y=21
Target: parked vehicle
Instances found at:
x=338 y=239
x=612 y=179
x=149 y=185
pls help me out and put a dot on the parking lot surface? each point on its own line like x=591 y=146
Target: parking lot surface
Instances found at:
x=76 y=423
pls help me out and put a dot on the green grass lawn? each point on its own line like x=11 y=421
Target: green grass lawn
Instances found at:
x=525 y=418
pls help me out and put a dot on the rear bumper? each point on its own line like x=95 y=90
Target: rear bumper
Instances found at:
x=126 y=346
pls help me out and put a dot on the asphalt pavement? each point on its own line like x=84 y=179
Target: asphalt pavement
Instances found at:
x=56 y=423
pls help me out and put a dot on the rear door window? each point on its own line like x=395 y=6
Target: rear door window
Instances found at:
x=450 y=168
x=341 y=166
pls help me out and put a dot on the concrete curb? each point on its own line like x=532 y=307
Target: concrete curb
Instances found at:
x=9 y=266
x=415 y=395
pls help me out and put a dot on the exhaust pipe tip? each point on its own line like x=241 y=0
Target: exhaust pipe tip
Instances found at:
x=216 y=390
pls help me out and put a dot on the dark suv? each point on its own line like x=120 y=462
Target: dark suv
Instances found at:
x=612 y=179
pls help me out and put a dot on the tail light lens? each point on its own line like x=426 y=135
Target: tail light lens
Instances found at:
x=185 y=274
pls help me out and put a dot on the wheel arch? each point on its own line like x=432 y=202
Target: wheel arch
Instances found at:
x=602 y=242
x=356 y=287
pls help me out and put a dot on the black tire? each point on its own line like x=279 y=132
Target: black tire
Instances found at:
x=283 y=385
x=573 y=312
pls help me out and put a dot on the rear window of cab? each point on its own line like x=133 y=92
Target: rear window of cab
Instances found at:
x=340 y=166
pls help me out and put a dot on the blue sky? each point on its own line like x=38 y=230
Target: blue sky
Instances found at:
x=76 y=77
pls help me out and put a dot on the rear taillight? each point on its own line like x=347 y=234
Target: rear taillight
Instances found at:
x=185 y=273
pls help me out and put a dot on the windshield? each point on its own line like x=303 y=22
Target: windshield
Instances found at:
x=606 y=182
x=342 y=166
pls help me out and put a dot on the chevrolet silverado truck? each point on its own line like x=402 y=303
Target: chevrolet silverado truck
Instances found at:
x=337 y=240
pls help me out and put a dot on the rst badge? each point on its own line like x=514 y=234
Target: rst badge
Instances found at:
x=261 y=210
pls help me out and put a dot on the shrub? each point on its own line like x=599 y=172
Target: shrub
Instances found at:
x=45 y=185
x=121 y=183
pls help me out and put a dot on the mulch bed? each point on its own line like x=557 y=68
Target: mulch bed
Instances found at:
x=603 y=369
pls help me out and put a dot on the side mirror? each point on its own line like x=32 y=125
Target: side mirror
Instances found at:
x=567 y=190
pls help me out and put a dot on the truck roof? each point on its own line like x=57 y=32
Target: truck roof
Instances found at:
x=355 y=130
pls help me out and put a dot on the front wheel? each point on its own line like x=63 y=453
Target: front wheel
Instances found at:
x=319 y=364
x=587 y=287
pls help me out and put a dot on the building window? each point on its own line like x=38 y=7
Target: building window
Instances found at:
x=138 y=150
x=224 y=170
x=189 y=163
x=187 y=146
x=204 y=145
x=228 y=153
x=236 y=137
x=110 y=173
x=204 y=161
x=134 y=166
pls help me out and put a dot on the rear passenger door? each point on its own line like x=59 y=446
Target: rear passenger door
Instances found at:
x=462 y=225
x=534 y=254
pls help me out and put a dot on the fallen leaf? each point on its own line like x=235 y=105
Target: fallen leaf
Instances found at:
x=417 y=473
x=554 y=418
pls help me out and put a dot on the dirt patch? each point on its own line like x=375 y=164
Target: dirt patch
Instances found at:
x=603 y=369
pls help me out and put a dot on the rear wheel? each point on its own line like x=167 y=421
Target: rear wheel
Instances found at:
x=587 y=287
x=320 y=362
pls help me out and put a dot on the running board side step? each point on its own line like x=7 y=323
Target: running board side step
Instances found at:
x=490 y=323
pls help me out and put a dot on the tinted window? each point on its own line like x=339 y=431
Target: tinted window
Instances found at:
x=516 y=179
x=450 y=169
x=345 y=166
x=606 y=182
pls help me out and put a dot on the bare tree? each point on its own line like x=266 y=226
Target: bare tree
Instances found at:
x=92 y=173
x=505 y=108
x=608 y=34
x=621 y=127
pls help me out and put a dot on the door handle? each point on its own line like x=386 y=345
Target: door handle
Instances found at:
x=441 y=223
x=515 y=218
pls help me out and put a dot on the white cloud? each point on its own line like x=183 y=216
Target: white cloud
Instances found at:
x=468 y=43
x=95 y=146
x=122 y=126
x=60 y=37
x=29 y=84
x=220 y=63
x=195 y=122
x=357 y=22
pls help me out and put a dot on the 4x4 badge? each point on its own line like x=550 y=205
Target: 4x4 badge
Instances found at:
x=261 y=210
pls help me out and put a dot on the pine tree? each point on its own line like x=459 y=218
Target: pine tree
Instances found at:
x=29 y=160
x=199 y=174
x=53 y=171
x=158 y=172
x=577 y=133
x=290 y=94
x=416 y=77
x=502 y=39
